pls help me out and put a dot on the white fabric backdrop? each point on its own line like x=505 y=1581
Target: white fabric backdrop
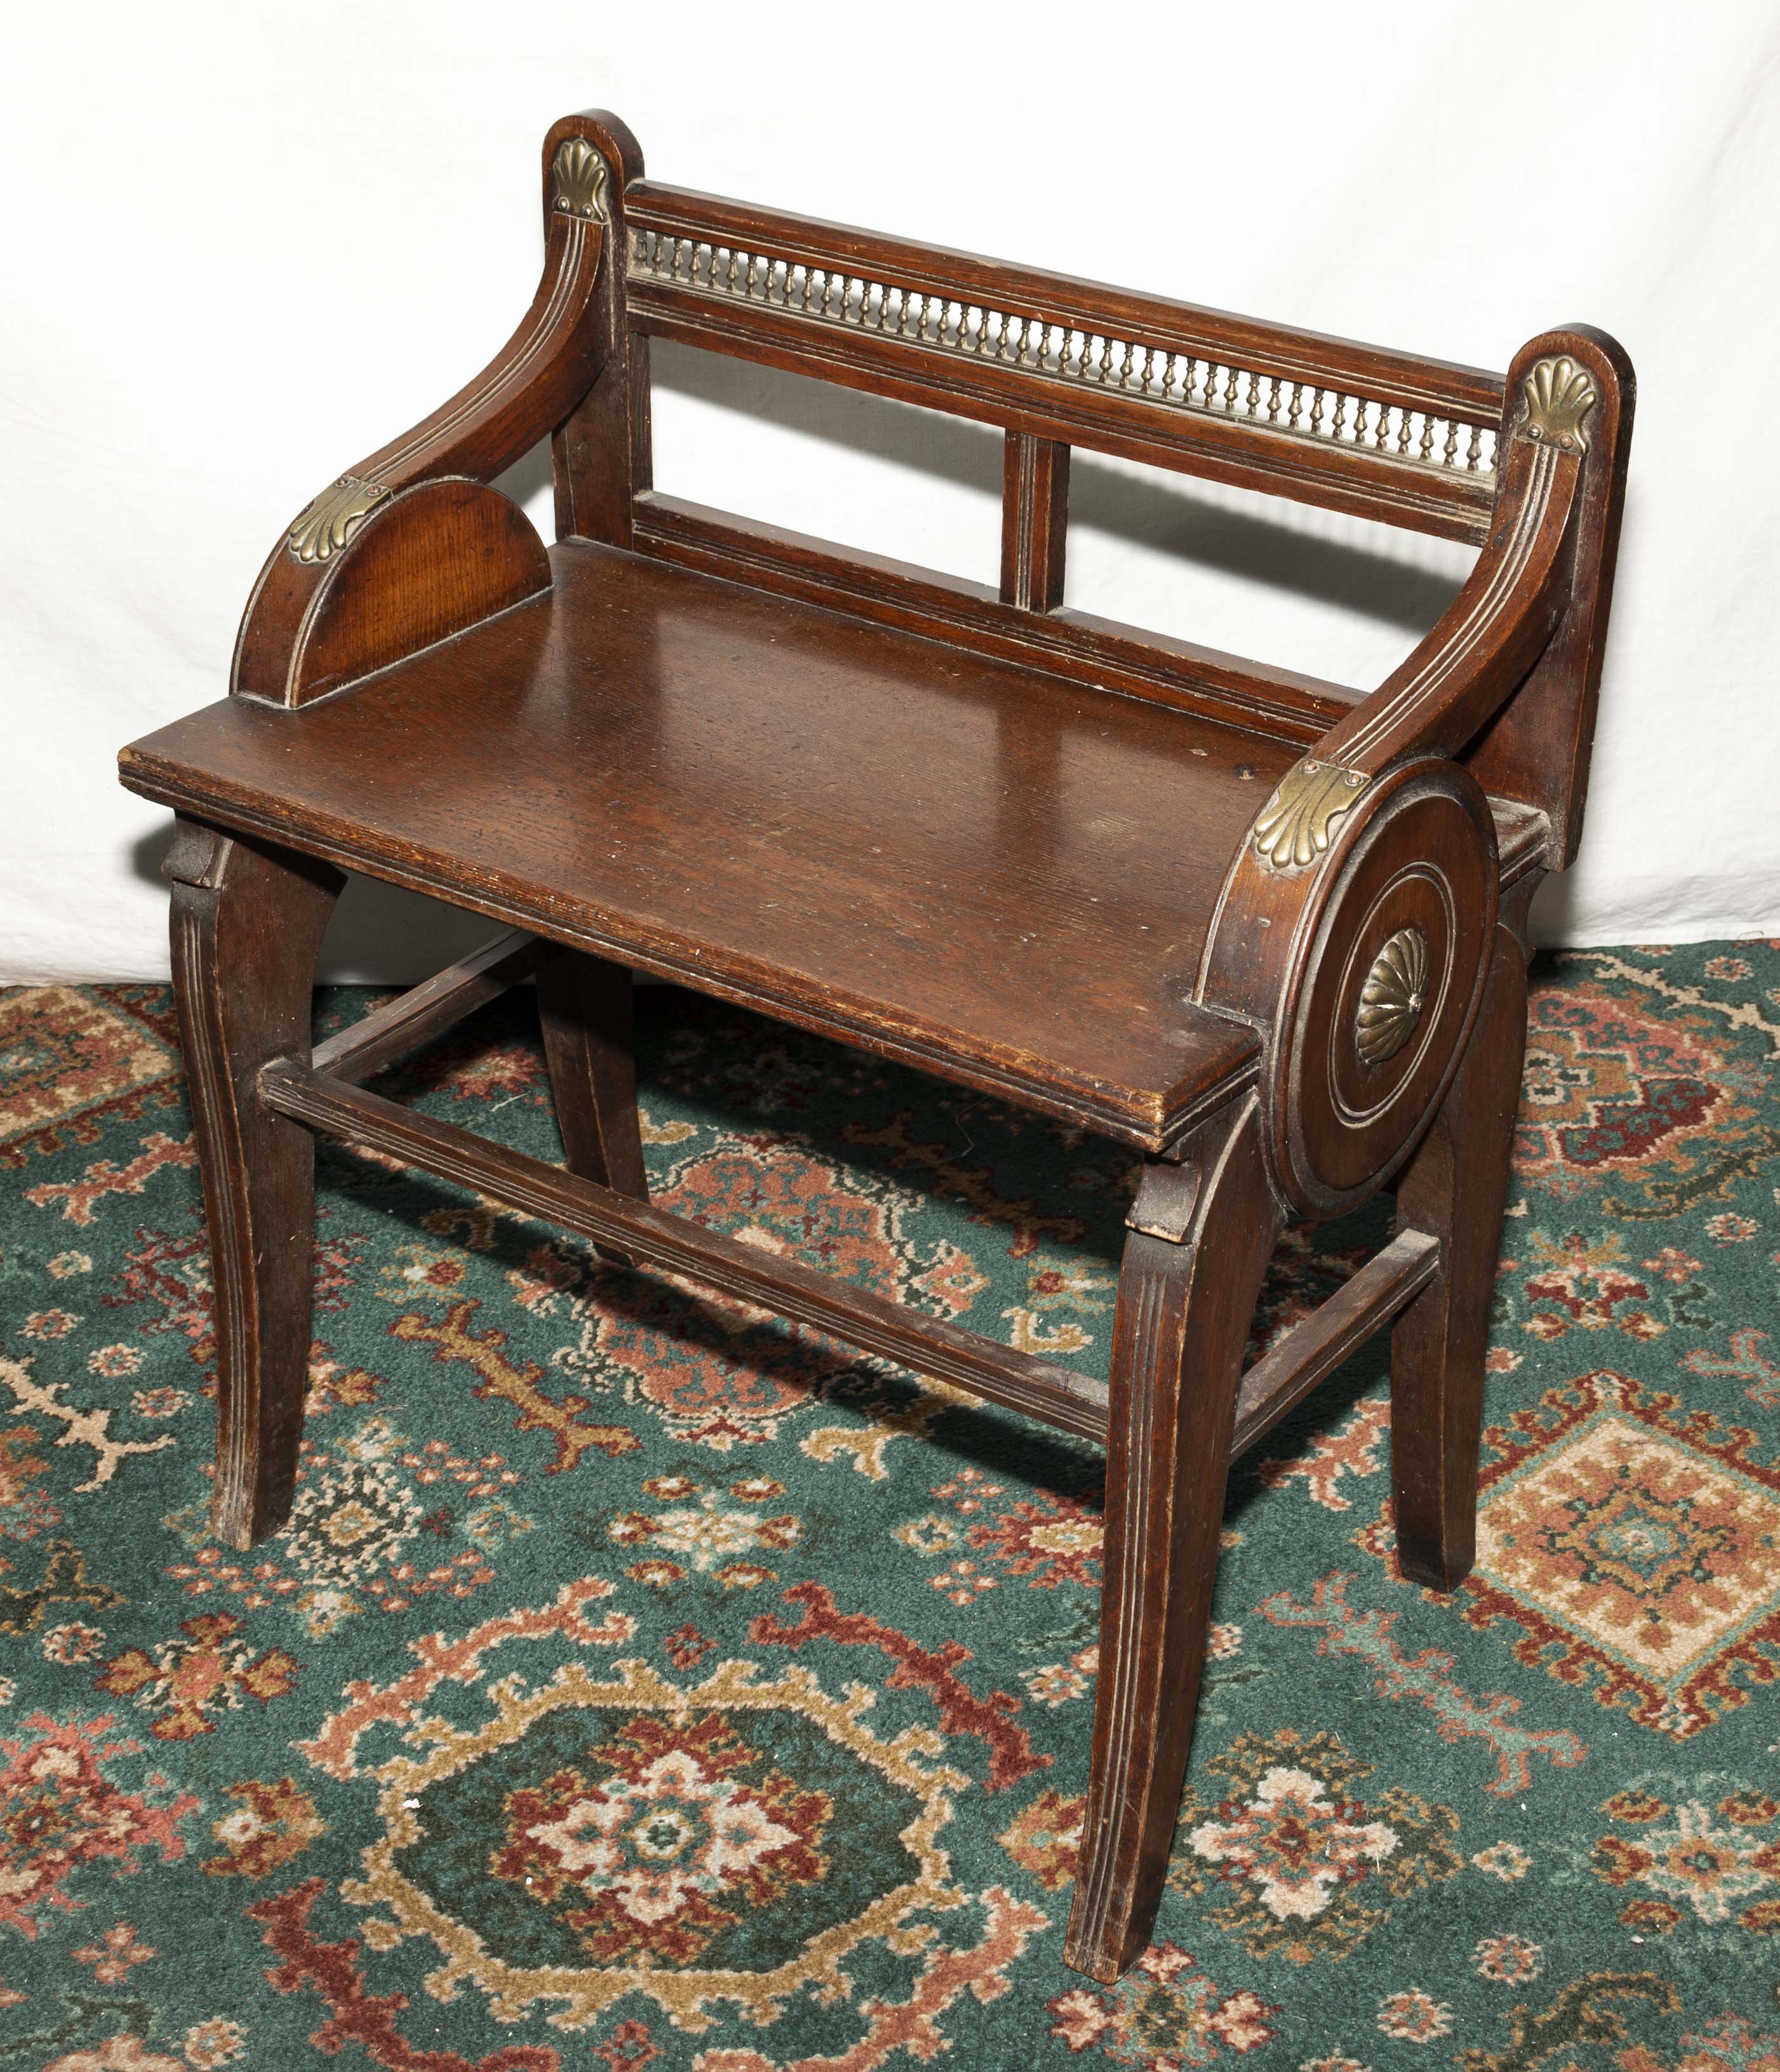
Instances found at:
x=246 y=245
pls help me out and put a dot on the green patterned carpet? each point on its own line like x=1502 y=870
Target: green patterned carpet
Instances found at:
x=642 y=1684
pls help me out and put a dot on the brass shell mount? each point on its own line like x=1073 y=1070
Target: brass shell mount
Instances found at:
x=1556 y=399
x=325 y=524
x=1295 y=826
x=1392 y=999
x=579 y=181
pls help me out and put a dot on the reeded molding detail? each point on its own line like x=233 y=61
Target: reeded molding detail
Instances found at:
x=1556 y=399
x=327 y=525
x=1293 y=828
x=578 y=178
x=1392 y=999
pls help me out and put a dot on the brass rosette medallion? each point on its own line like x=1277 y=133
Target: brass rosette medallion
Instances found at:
x=1381 y=991
x=1393 y=997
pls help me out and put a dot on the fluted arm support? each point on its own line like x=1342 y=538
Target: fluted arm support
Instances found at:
x=1492 y=634
x=409 y=545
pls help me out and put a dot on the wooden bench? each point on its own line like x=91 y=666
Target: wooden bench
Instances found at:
x=1266 y=930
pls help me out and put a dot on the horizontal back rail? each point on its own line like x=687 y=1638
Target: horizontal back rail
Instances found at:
x=1281 y=704
x=1393 y=436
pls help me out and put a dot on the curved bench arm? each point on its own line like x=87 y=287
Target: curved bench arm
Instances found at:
x=1491 y=635
x=430 y=549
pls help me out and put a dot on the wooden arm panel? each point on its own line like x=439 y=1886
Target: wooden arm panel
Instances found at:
x=1281 y=704
x=407 y=547
x=1387 y=435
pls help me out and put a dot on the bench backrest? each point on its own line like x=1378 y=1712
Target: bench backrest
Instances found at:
x=1058 y=363
x=1391 y=436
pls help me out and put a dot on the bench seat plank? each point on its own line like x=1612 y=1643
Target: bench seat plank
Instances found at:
x=981 y=869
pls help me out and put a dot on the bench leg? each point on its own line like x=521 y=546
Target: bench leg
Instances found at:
x=1183 y=1318
x=584 y=1004
x=248 y=920
x=1454 y=1188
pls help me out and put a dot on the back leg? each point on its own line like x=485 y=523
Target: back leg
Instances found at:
x=1455 y=1188
x=248 y=921
x=584 y=1004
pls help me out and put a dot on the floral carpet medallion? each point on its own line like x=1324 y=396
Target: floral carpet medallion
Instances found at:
x=63 y=1806
x=367 y=1531
x=643 y=1684
x=597 y=1839
x=1304 y=1866
x=1713 y=1853
x=1631 y=1081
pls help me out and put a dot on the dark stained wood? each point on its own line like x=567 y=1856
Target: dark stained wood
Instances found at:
x=1024 y=848
x=1539 y=749
x=600 y=452
x=651 y=1237
x=1283 y=704
x=1487 y=639
x=438 y=582
x=1292 y=951
x=1312 y=1350
x=1034 y=522
x=427 y=563
x=1523 y=840
x=1178 y=1335
x=247 y=920
x=1111 y=416
x=1103 y=421
x=931 y=852
x=586 y=1006
x=1454 y=1188
x=1030 y=291
x=364 y=1047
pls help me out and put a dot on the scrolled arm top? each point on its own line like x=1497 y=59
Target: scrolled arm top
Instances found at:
x=289 y=653
x=1495 y=629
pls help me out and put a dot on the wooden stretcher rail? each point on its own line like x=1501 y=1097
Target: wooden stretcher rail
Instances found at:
x=651 y=1237
x=421 y=1013
x=324 y=1097
x=1387 y=1283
